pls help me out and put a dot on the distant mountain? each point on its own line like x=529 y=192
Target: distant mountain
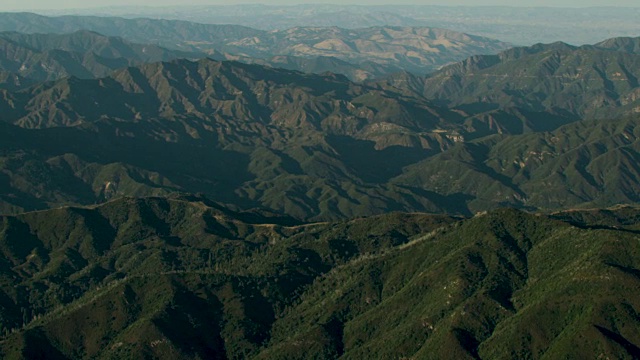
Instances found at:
x=413 y=49
x=144 y=31
x=260 y=16
x=593 y=81
x=416 y=49
x=186 y=278
x=31 y=58
x=84 y=41
x=625 y=44
x=514 y=24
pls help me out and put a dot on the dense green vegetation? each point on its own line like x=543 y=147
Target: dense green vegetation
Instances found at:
x=586 y=164
x=185 y=278
x=235 y=271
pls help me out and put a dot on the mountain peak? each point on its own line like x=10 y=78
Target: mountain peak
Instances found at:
x=626 y=44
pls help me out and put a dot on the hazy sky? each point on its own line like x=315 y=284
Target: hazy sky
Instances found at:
x=62 y=4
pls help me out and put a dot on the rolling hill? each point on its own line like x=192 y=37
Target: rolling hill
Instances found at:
x=28 y=59
x=416 y=49
x=521 y=25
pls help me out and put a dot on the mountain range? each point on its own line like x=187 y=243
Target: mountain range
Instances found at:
x=521 y=25
x=416 y=49
x=28 y=59
x=183 y=278
x=587 y=82
x=314 y=192
x=315 y=147
x=235 y=122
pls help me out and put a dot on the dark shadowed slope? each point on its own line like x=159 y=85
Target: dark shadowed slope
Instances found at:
x=311 y=146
